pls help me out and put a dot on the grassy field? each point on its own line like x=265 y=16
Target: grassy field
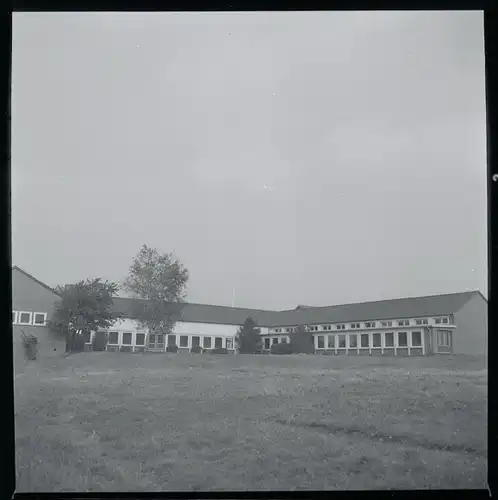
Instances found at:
x=122 y=422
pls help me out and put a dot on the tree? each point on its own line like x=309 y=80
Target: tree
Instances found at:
x=160 y=280
x=301 y=340
x=248 y=338
x=83 y=307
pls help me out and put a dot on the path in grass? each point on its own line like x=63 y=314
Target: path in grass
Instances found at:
x=107 y=422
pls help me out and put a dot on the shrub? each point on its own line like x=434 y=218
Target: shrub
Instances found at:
x=30 y=343
x=99 y=341
x=197 y=349
x=281 y=349
x=219 y=350
x=172 y=348
x=79 y=343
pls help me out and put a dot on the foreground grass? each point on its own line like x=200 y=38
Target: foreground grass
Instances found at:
x=117 y=422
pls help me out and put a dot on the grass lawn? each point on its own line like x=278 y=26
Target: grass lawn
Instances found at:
x=138 y=422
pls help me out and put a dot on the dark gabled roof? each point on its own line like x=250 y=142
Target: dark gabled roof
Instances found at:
x=34 y=279
x=412 y=307
x=202 y=313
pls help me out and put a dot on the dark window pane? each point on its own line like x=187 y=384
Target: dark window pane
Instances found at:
x=389 y=339
x=183 y=341
x=196 y=341
x=267 y=343
x=127 y=338
x=332 y=341
x=39 y=319
x=113 y=337
x=218 y=343
x=342 y=340
x=353 y=341
x=376 y=340
x=207 y=342
x=171 y=339
x=402 y=339
x=417 y=338
x=364 y=340
x=321 y=342
x=25 y=318
x=140 y=339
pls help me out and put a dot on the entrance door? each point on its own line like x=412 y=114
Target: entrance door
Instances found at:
x=156 y=342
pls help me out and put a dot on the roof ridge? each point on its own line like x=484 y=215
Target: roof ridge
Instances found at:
x=30 y=276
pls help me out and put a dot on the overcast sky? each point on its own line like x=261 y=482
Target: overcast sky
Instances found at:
x=302 y=158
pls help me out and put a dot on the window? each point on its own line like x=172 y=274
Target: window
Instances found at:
x=287 y=330
x=403 y=322
x=207 y=342
x=341 y=327
x=416 y=339
x=443 y=338
x=218 y=342
x=274 y=340
x=445 y=321
x=353 y=341
x=389 y=339
x=321 y=342
x=140 y=340
x=267 y=343
x=331 y=340
x=355 y=325
x=370 y=324
x=183 y=340
x=14 y=317
x=284 y=340
x=386 y=324
x=342 y=341
x=229 y=342
x=364 y=340
x=127 y=338
x=171 y=339
x=327 y=327
x=278 y=330
x=24 y=318
x=113 y=338
x=438 y=321
x=376 y=341
x=40 y=319
x=313 y=329
x=196 y=341
x=402 y=339
x=421 y=322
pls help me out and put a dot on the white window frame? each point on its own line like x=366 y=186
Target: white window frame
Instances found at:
x=372 y=340
x=204 y=342
x=44 y=319
x=412 y=345
x=446 y=334
x=348 y=341
x=109 y=339
x=397 y=340
x=360 y=346
x=131 y=339
x=317 y=344
x=14 y=320
x=403 y=322
x=386 y=324
x=20 y=313
x=135 y=339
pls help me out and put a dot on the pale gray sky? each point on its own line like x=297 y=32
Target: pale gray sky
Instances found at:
x=368 y=130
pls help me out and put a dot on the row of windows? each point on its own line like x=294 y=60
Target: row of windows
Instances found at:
x=158 y=340
x=370 y=324
x=353 y=341
x=29 y=318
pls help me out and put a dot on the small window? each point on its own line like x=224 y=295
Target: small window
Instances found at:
x=267 y=343
x=140 y=339
x=418 y=321
x=331 y=341
x=218 y=342
x=14 y=317
x=387 y=324
x=229 y=342
x=403 y=322
x=445 y=321
x=183 y=340
x=376 y=341
x=113 y=338
x=416 y=339
x=339 y=327
x=389 y=339
x=402 y=339
x=353 y=341
x=321 y=342
x=342 y=341
x=364 y=340
x=438 y=321
x=196 y=341
x=24 y=318
x=40 y=319
x=207 y=342
x=127 y=338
